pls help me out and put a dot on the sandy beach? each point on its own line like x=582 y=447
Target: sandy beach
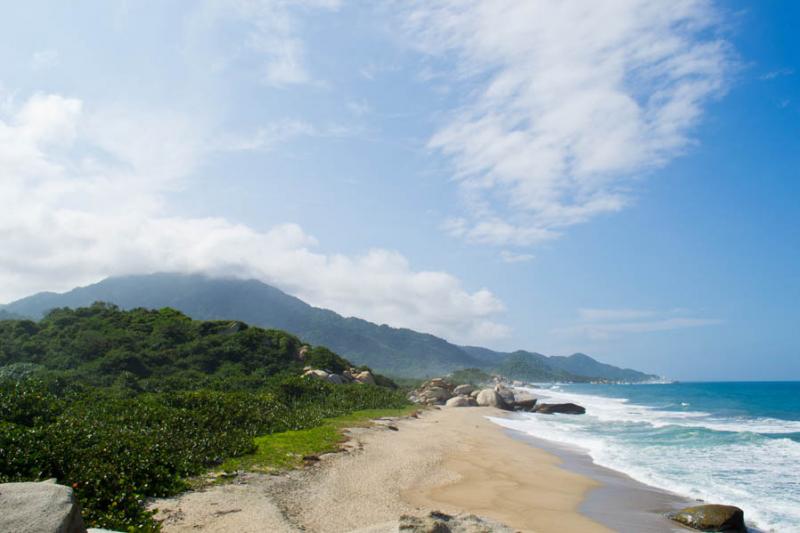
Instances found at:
x=450 y=460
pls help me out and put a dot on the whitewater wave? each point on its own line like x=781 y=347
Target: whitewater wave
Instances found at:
x=739 y=461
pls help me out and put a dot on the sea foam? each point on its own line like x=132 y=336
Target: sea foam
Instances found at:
x=743 y=461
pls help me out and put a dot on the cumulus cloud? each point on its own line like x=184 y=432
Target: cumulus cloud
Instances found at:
x=84 y=196
x=566 y=103
x=606 y=324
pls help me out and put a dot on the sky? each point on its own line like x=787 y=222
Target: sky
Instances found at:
x=609 y=177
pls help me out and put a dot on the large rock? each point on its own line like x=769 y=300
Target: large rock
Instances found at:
x=463 y=390
x=565 y=408
x=505 y=393
x=365 y=377
x=711 y=518
x=438 y=394
x=318 y=374
x=490 y=398
x=524 y=401
x=459 y=401
x=39 y=508
x=336 y=379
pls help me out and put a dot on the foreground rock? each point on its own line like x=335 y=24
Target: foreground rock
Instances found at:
x=39 y=508
x=460 y=401
x=711 y=518
x=437 y=522
x=565 y=408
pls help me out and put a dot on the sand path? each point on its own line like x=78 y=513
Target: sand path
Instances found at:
x=452 y=460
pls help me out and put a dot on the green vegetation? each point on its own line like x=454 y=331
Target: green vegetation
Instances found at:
x=287 y=449
x=125 y=405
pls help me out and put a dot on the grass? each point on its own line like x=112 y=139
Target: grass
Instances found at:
x=282 y=451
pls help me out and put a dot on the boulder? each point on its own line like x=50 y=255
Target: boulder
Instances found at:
x=39 y=508
x=565 y=408
x=524 y=401
x=474 y=394
x=490 y=398
x=464 y=390
x=336 y=379
x=435 y=394
x=506 y=394
x=365 y=377
x=711 y=518
x=458 y=401
x=315 y=373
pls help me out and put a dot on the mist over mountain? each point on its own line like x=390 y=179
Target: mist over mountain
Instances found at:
x=395 y=351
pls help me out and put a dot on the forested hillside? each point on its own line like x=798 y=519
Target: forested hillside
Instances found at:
x=125 y=405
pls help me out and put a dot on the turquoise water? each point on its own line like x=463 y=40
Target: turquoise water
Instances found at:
x=735 y=443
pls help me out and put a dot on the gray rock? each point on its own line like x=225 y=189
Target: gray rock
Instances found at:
x=711 y=518
x=465 y=390
x=39 y=508
x=458 y=401
x=437 y=522
x=319 y=374
x=524 y=401
x=490 y=398
x=336 y=379
x=565 y=408
x=365 y=377
x=505 y=393
x=437 y=393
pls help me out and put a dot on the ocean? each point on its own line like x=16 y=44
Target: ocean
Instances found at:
x=733 y=443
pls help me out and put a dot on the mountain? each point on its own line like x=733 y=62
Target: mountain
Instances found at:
x=532 y=366
x=5 y=315
x=401 y=352
x=396 y=351
x=583 y=365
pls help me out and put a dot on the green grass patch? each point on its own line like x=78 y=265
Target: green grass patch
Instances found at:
x=285 y=450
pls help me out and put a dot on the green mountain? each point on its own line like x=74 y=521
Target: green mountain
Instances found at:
x=532 y=366
x=5 y=315
x=396 y=351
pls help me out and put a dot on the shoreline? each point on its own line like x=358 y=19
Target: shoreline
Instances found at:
x=453 y=460
x=619 y=501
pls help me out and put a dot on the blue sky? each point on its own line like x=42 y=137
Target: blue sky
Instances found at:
x=604 y=177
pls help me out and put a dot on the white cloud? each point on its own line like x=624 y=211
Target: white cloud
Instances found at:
x=567 y=102
x=605 y=324
x=83 y=195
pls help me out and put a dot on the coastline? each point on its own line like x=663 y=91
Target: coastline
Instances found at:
x=453 y=460
x=619 y=501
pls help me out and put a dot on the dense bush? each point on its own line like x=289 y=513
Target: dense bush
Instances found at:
x=126 y=405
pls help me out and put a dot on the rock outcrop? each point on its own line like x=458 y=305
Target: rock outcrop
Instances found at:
x=565 y=408
x=39 y=508
x=437 y=522
x=433 y=392
x=711 y=518
x=490 y=398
